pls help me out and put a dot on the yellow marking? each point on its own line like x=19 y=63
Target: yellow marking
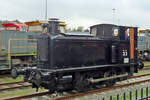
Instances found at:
x=24 y=47
x=24 y=39
x=35 y=23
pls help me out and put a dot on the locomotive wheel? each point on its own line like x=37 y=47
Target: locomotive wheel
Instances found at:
x=111 y=82
x=81 y=83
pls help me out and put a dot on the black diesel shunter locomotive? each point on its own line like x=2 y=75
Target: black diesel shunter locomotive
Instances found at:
x=108 y=54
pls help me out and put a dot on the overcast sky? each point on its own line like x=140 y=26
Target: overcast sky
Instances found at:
x=80 y=12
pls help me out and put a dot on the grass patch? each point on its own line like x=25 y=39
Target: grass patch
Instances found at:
x=10 y=79
x=19 y=92
x=146 y=64
x=142 y=72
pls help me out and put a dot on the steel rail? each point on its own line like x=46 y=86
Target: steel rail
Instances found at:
x=146 y=68
x=138 y=76
x=15 y=87
x=9 y=83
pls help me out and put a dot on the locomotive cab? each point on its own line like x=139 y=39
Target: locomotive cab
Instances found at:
x=110 y=31
x=125 y=34
x=105 y=31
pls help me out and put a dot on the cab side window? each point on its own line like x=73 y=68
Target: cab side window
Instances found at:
x=116 y=32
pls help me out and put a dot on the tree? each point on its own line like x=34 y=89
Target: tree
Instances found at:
x=86 y=30
x=80 y=29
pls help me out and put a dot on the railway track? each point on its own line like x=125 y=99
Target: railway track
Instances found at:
x=14 y=85
x=26 y=96
x=138 y=76
x=146 y=68
x=72 y=95
x=10 y=83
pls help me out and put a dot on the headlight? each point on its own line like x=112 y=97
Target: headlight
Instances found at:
x=145 y=53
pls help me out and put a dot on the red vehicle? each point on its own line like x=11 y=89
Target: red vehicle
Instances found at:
x=15 y=27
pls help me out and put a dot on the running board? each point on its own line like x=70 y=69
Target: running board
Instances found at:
x=107 y=78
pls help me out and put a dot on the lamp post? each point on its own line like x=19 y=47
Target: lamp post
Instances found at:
x=45 y=9
x=113 y=15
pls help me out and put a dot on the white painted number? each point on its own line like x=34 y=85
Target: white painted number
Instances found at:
x=124 y=53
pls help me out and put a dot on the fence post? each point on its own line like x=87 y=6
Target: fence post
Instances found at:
x=141 y=93
x=136 y=94
x=103 y=98
x=110 y=97
x=124 y=96
x=130 y=95
x=146 y=93
x=117 y=96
